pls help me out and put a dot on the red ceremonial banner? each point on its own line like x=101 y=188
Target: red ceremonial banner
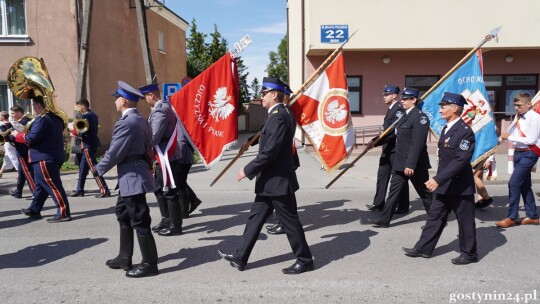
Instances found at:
x=207 y=107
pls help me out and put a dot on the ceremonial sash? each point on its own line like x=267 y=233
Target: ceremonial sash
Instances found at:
x=534 y=147
x=163 y=160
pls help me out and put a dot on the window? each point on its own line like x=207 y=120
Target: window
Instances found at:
x=355 y=94
x=422 y=83
x=13 y=21
x=161 y=42
x=503 y=88
x=7 y=100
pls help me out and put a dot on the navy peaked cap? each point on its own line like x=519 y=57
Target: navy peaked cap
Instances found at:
x=390 y=88
x=149 y=88
x=451 y=98
x=410 y=92
x=270 y=83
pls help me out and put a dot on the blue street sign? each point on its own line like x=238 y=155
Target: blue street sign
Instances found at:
x=334 y=33
x=169 y=89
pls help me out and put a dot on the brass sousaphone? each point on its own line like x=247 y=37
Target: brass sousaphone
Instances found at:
x=28 y=78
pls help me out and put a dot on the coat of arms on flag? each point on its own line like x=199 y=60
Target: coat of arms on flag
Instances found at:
x=324 y=115
x=207 y=107
x=467 y=80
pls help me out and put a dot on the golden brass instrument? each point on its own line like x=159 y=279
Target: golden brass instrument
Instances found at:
x=3 y=136
x=81 y=125
x=27 y=78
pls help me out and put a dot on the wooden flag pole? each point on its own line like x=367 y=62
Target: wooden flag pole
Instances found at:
x=488 y=37
x=292 y=100
x=370 y=145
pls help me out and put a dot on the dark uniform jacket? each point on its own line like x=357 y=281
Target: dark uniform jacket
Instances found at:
x=274 y=166
x=45 y=139
x=456 y=148
x=130 y=141
x=411 y=137
x=90 y=138
x=163 y=121
x=389 y=141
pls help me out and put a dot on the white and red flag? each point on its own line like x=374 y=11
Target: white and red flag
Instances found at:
x=324 y=114
x=207 y=107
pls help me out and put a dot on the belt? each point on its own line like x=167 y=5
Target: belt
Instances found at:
x=523 y=149
x=133 y=158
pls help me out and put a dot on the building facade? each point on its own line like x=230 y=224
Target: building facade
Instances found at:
x=415 y=43
x=51 y=29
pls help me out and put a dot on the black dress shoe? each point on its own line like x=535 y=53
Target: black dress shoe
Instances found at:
x=483 y=203
x=59 y=219
x=412 y=252
x=15 y=194
x=143 y=270
x=120 y=262
x=272 y=226
x=298 y=268
x=170 y=231
x=194 y=204
x=76 y=193
x=276 y=230
x=461 y=260
x=163 y=224
x=234 y=262
x=103 y=195
x=401 y=211
x=380 y=224
x=372 y=207
x=31 y=214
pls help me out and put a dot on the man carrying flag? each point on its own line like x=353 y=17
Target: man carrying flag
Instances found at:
x=174 y=159
x=524 y=133
x=275 y=185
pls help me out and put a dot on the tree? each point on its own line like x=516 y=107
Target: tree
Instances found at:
x=255 y=88
x=278 y=66
x=196 y=52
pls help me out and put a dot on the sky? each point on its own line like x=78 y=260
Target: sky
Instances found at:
x=265 y=21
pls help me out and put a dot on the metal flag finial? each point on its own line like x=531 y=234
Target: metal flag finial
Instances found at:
x=494 y=34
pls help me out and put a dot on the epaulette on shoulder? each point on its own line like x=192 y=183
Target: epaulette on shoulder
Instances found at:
x=275 y=111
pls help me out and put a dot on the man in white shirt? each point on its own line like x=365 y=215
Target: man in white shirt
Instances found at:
x=524 y=133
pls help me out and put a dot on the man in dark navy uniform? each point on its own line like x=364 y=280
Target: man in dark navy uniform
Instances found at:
x=89 y=144
x=174 y=159
x=276 y=183
x=453 y=186
x=411 y=161
x=46 y=141
x=25 y=170
x=129 y=152
x=388 y=143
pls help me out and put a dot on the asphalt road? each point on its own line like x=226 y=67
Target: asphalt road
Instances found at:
x=355 y=263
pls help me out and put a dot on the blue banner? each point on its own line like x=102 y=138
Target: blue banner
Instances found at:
x=468 y=81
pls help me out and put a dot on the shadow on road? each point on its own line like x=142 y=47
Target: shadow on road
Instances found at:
x=42 y=254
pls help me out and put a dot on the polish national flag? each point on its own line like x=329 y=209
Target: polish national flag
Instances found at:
x=323 y=112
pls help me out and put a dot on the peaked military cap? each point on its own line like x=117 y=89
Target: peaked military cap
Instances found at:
x=149 y=88
x=127 y=91
x=410 y=92
x=451 y=98
x=390 y=88
x=270 y=83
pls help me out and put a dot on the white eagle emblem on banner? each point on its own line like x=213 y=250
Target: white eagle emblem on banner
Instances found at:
x=220 y=108
x=336 y=112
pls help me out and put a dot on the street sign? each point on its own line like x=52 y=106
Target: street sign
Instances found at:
x=169 y=89
x=334 y=33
